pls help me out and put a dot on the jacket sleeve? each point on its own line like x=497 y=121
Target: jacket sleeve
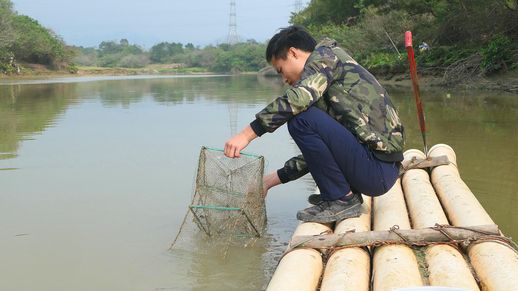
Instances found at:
x=316 y=78
x=293 y=169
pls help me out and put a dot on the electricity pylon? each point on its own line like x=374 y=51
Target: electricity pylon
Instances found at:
x=232 y=38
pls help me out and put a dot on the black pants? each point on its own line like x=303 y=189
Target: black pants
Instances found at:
x=335 y=158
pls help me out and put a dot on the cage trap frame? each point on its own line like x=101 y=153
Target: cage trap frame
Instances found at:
x=228 y=197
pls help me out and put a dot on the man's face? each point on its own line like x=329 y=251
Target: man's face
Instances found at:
x=292 y=66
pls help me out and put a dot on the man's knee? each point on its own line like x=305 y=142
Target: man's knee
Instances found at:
x=384 y=186
x=302 y=121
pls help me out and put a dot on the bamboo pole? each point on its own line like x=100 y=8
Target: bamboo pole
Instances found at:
x=300 y=269
x=495 y=264
x=423 y=205
x=461 y=206
x=446 y=265
x=394 y=266
x=349 y=269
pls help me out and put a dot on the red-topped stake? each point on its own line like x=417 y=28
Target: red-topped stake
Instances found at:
x=408 y=38
x=415 y=86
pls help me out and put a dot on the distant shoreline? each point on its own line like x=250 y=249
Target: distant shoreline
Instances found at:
x=30 y=73
x=502 y=82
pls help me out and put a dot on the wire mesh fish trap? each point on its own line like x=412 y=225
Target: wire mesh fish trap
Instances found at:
x=227 y=197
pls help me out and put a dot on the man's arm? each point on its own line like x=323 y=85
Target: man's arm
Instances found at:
x=270 y=181
x=293 y=169
x=316 y=78
x=238 y=142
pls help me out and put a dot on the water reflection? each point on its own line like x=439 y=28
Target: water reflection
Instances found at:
x=29 y=109
x=26 y=110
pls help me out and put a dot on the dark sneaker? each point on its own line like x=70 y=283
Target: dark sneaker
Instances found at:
x=315 y=199
x=330 y=211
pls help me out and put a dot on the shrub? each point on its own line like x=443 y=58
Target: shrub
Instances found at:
x=36 y=44
x=497 y=54
x=134 y=61
x=383 y=62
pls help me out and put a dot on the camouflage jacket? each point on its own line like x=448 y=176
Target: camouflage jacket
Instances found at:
x=334 y=82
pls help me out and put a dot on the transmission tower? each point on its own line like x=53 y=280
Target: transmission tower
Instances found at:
x=232 y=26
x=232 y=38
x=298 y=6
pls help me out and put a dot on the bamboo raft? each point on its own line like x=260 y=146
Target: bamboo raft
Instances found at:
x=428 y=230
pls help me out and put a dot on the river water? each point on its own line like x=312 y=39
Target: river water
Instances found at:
x=96 y=175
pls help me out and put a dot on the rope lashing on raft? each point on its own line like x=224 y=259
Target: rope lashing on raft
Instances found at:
x=334 y=240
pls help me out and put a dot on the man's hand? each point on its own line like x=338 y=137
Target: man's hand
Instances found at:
x=237 y=143
x=269 y=181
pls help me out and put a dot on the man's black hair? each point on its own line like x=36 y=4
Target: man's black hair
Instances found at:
x=292 y=36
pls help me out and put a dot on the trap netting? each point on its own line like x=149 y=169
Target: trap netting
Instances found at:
x=227 y=201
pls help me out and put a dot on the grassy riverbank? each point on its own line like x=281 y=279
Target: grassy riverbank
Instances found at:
x=30 y=71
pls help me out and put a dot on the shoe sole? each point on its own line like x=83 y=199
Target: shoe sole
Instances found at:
x=354 y=211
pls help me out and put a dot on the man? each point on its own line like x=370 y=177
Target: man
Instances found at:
x=340 y=117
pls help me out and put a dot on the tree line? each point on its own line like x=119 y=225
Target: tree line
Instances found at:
x=24 y=43
x=458 y=38
x=241 y=57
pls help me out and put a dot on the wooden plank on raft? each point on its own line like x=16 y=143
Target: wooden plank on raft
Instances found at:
x=419 y=163
x=438 y=234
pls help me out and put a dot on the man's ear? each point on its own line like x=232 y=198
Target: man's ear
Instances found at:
x=293 y=52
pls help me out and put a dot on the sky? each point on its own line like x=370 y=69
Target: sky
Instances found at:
x=148 y=22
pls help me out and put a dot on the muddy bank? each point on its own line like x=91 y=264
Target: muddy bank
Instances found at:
x=34 y=71
x=500 y=82
x=507 y=82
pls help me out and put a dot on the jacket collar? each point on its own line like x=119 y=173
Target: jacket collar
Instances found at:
x=328 y=42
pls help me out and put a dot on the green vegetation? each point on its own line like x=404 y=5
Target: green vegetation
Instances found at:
x=177 y=58
x=122 y=54
x=470 y=38
x=25 y=44
x=165 y=52
x=7 y=36
x=24 y=40
x=466 y=39
x=36 y=44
